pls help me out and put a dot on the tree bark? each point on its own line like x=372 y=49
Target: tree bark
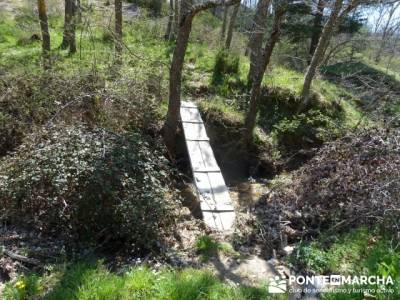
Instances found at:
x=188 y=12
x=79 y=11
x=223 y=27
x=72 y=41
x=319 y=52
x=259 y=71
x=69 y=39
x=168 y=32
x=176 y=19
x=256 y=38
x=317 y=28
x=232 y=22
x=44 y=27
x=175 y=79
x=118 y=31
x=67 y=16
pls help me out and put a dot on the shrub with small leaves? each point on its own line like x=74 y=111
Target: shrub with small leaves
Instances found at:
x=89 y=184
x=226 y=63
x=305 y=130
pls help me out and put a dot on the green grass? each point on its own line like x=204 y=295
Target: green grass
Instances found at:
x=283 y=77
x=85 y=281
x=359 y=252
x=94 y=47
x=207 y=246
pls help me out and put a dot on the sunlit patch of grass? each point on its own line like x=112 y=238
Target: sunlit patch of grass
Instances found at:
x=359 y=252
x=225 y=106
x=86 y=281
x=283 y=77
x=207 y=246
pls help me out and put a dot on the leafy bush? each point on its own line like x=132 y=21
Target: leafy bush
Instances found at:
x=29 y=101
x=226 y=63
x=88 y=184
x=304 y=131
x=291 y=130
x=23 y=104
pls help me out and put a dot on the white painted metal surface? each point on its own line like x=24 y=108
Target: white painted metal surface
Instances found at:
x=215 y=202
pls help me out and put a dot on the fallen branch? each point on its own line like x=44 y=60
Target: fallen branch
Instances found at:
x=31 y=261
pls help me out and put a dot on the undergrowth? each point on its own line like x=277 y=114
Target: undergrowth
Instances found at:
x=359 y=252
x=89 y=185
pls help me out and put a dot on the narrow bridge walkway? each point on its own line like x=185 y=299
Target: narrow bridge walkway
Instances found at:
x=216 y=204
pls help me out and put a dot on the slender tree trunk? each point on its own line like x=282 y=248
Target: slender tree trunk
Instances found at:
x=256 y=38
x=118 y=31
x=175 y=75
x=78 y=11
x=319 y=52
x=317 y=28
x=264 y=60
x=232 y=22
x=44 y=26
x=224 y=20
x=67 y=21
x=69 y=39
x=168 y=33
x=72 y=33
x=187 y=13
x=176 y=19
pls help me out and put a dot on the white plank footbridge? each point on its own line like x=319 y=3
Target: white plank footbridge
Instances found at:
x=215 y=202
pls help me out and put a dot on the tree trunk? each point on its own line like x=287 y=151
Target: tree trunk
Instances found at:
x=176 y=19
x=317 y=28
x=187 y=13
x=259 y=71
x=72 y=34
x=67 y=17
x=69 y=39
x=319 y=52
x=223 y=27
x=175 y=75
x=232 y=22
x=168 y=32
x=118 y=31
x=256 y=38
x=44 y=26
x=78 y=11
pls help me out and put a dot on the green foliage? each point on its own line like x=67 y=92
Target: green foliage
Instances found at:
x=89 y=184
x=85 y=281
x=359 y=252
x=207 y=246
x=226 y=65
x=304 y=130
x=25 y=102
x=291 y=130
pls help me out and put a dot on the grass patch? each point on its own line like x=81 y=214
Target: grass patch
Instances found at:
x=207 y=247
x=359 y=252
x=86 y=281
